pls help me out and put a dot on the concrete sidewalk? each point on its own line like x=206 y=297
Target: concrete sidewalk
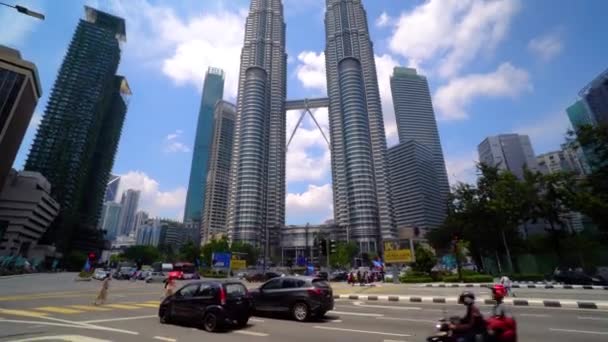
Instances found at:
x=532 y=302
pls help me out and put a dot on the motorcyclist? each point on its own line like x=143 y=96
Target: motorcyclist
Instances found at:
x=472 y=327
x=501 y=326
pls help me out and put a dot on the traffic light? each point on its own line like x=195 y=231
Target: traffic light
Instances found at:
x=322 y=246
x=332 y=246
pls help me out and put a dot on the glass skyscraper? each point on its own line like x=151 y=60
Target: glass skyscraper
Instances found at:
x=257 y=197
x=362 y=197
x=595 y=95
x=416 y=121
x=213 y=91
x=76 y=142
x=218 y=175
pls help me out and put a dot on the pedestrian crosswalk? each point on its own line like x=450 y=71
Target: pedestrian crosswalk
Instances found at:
x=78 y=309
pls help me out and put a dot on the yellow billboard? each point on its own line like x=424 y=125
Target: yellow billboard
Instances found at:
x=236 y=264
x=396 y=252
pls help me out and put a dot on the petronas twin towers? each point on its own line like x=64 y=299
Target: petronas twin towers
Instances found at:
x=362 y=201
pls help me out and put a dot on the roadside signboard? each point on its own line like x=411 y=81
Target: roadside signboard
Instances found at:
x=236 y=264
x=220 y=260
x=397 y=251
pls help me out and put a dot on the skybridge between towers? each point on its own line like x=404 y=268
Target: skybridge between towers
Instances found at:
x=305 y=106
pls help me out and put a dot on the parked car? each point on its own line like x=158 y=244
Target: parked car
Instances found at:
x=261 y=277
x=578 y=278
x=124 y=273
x=156 y=277
x=143 y=275
x=339 y=276
x=322 y=274
x=301 y=297
x=212 y=304
x=100 y=274
x=241 y=275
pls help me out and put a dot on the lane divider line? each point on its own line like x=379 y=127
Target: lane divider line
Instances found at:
x=164 y=338
x=250 y=333
x=579 y=331
x=361 y=331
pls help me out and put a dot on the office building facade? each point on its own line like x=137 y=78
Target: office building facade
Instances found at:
x=256 y=210
x=362 y=198
x=414 y=184
x=565 y=160
x=19 y=94
x=90 y=101
x=129 y=203
x=218 y=175
x=112 y=189
x=26 y=211
x=511 y=152
x=109 y=220
x=595 y=95
x=213 y=91
x=416 y=121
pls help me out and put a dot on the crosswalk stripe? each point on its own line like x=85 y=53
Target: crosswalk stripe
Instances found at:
x=122 y=306
x=88 y=308
x=24 y=313
x=147 y=305
x=56 y=309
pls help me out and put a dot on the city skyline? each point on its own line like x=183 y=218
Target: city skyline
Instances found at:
x=155 y=164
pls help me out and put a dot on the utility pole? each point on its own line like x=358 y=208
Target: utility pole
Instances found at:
x=24 y=10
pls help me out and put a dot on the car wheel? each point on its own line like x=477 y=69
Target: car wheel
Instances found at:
x=300 y=312
x=165 y=316
x=242 y=322
x=210 y=322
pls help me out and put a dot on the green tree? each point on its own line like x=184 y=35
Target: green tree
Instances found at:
x=345 y=252
x=425 y=259
x=144 y=254
x=189 y=251
x=167 y=253
x=250 y=253
x=75 y=261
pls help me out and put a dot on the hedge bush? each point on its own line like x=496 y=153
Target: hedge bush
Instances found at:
x=415 y=279
x=475 y=278
x=84 y=274
x=527 y=277
x=213 y=274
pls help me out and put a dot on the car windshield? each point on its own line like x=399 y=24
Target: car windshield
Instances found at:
x=235 y=290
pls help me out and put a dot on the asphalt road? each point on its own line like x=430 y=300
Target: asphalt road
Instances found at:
x=40 y=307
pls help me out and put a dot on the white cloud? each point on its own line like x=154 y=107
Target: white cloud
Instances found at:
x=153 y=200
x=453 y=98
x=462 y=168
x=316 y=201
x=311 y=70
x=547 y=46
x=384 y=68
x=451 y=33
x=383 y=20
x=172 y=144
x=184 y=48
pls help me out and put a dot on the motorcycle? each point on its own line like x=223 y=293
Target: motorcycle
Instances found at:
x=445 y=334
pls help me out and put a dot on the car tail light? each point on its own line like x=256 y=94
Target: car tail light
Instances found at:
x=222 y=296
x=315 y=291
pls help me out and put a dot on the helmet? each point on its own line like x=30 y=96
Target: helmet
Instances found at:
x=499 y=291
x=466 y=298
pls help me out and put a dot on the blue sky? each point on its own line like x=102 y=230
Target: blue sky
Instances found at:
x=494 y=67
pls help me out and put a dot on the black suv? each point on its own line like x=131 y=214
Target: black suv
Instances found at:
x=302 y=297
x=211 y=304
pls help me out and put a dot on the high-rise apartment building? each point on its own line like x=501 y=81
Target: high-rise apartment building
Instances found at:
x=19 y=94
x=213 y=91
x=257 y=196
x=110 y=216
x=112 y=189
x=129 y=203
x=565 y=160
x=595 y=95
x=362 y=198
x=511 y=152
x=77 y=139
x=218 y=175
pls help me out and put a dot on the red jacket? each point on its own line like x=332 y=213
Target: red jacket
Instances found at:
x=504 y=328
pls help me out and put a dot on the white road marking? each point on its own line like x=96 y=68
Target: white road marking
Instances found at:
x=71 y=338
x=593 y=318
x=580 y=331
x=394 y=341
x=356 y=314
x=117 y=319
x=256 y=320
x=67 y=325
x=533 y=315
x=334 y=320
x=407 y=319
x=361 y=331
x=387 y=306
x=250 y=333
x=164 y=338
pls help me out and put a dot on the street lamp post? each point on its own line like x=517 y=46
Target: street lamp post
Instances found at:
x=25 y=11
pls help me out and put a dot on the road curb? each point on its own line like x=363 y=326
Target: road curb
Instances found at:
x=488 y=301
x=524 y=286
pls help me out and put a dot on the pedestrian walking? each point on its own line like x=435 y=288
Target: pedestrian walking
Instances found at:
x=103 y=292
x=506 y=282
x=359 y=279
